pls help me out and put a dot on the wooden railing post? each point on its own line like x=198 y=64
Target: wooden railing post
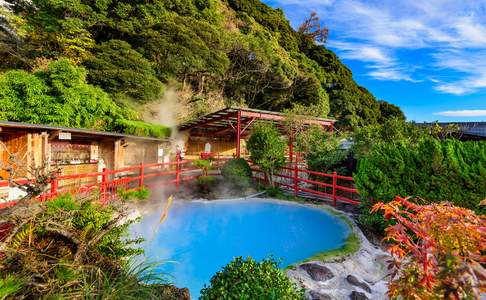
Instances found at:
x=103 y=185
x=54 y=186
x=178 y=169
x=140 y=180
x=334 y=189
x=296 y=178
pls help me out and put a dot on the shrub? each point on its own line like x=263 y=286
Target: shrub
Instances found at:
x=203 y=164
x=431 y=169
x=141 y=194
x=205 y=183
x=237 y=173
x=323 y=151
x=437 y=250
x=249 y=279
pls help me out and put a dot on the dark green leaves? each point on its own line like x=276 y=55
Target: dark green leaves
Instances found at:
x=247 y=279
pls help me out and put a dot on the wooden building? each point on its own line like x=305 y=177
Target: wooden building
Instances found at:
x=74 y=150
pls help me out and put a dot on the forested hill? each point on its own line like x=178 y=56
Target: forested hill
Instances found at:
x=208 y=53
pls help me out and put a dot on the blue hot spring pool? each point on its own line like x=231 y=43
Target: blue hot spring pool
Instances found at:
x=199 y=238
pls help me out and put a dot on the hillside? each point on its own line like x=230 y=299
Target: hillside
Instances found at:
x=184 y=57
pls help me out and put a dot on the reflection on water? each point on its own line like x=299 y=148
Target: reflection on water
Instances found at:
x=201 y=237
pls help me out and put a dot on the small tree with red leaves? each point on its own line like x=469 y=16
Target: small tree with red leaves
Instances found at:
x=437 y=250
x=312 y=29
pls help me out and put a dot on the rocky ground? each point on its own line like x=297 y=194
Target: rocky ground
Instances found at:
x=361 y=275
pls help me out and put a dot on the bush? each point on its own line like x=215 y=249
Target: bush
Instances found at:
x=435 y=256
x=237 y=173
x=249 y=279
x=141 y=194
x=431 y=169
x=203 y=164
x=205 y=183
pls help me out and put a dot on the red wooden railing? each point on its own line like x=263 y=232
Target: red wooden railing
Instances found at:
x=299 y=180
x=107 y=182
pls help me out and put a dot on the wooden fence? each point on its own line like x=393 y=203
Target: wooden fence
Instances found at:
x=294 y=178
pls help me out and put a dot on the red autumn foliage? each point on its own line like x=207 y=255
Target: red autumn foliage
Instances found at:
x=437 y=249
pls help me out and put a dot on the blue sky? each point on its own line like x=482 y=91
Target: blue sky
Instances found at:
x=428 y=57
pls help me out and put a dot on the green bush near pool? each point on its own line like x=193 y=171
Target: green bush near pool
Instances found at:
x=237 y=172
x=249 y=279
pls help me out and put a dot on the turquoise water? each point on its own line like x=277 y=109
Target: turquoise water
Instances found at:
x=202 y=237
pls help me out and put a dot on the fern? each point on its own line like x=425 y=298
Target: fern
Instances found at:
x=21 y=236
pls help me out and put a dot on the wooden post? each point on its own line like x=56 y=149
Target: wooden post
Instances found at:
x=54 y=186
x=103 y=185
x=238 y=133
x=296 y=177
x=140 y=180
x=334 y=184
x=178 y=167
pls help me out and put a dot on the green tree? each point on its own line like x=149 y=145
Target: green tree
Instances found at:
x=390 y=111
x=267 y=148
x=249 y=279
x=122 y=71
x=57 y=96
x=323 y=151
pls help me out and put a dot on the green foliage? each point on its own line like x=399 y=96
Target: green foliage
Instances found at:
x=76 y=248
x=249 y=279
x=323 y=150
x=430 y=169
x=203 y=164
x=56 y=96
x=267 y=148
x=206 y=183
x=64 y=202
x=237 y=173
x=390 y=111
x=9 y=286
x=242 y=50
x=141 y=194
x=122 y=71
x=141 y=128
x=391 y=131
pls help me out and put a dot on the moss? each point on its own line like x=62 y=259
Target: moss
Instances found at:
x=351 y=245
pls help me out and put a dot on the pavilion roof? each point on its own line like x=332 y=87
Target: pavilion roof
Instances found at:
x=223 y=122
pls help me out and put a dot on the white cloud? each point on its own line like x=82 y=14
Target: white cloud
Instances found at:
x=451 y=34
x=462 y=113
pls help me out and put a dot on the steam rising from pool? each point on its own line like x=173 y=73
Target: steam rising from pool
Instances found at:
x=201 y=237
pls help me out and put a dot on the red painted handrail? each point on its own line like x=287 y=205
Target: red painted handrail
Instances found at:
x=312 y=185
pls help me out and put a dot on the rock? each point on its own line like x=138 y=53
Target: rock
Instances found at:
x=317 y=272
x=354 y=281
x=358 y=296
x=315 y=295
